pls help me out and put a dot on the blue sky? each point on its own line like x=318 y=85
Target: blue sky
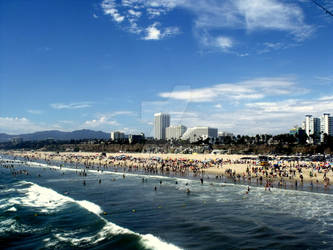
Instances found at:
x=243 y=66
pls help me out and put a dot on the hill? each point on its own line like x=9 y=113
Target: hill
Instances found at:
x=57 y=135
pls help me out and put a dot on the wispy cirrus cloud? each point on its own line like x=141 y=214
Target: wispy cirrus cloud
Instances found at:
x=245 y=90
x=131 y=15
x=35 y=111
x=73 y=105
x=326 y=79
x=213 y=19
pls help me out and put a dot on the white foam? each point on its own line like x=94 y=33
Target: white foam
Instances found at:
x=12 y=226
x=91 y=207
x=48 y=200
x=153 y=242
x=43 y=199
x=12 y=209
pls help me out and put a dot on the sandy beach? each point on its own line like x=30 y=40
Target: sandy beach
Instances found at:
x=233 y=166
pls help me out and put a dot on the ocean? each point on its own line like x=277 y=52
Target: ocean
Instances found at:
x=43 y=206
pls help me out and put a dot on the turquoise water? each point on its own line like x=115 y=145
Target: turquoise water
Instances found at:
x=52 y=208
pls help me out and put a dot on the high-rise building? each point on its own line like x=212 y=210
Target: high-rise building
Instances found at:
x=200 y=133
x=174 y=132
x=161 y=122
x=117 y=135
x=308 y=127
x=312 y=127
x=326 y=124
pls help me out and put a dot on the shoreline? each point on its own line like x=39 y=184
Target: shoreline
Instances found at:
x=220 y=166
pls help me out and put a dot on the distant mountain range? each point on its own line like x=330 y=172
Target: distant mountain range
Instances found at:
x=57 y=135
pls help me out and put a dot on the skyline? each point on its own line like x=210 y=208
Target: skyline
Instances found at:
x=244 y=67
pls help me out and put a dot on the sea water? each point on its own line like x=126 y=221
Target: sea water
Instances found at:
x=52 y=208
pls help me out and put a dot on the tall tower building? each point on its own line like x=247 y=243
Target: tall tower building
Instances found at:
x=326 y=125
x=312 y=127
x=161 y=122
x=308 y=125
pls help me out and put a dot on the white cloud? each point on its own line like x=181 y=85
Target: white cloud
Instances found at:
x=100 y=122
x=122 y=112
x=218 y=106
x=327 y=79
x=35 y=111
x=74 y=105
x=17 y=125
x=104 y=121
x=109 y=7
x=224 y=42
x=250 y=89
x=152 y=33
x=135 y=13
x=95 y=16
x=273 y=15
x=212 y=18
x=251 y=117
x=128 y=14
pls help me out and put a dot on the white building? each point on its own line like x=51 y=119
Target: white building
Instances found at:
x=117 y=135
x=199 y=133
x=312 y=127
x=174 y=132
x=224 y=134
x=161 y=122
x=326 y=124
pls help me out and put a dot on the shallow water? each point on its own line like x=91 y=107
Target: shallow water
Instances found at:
x=56 y=210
